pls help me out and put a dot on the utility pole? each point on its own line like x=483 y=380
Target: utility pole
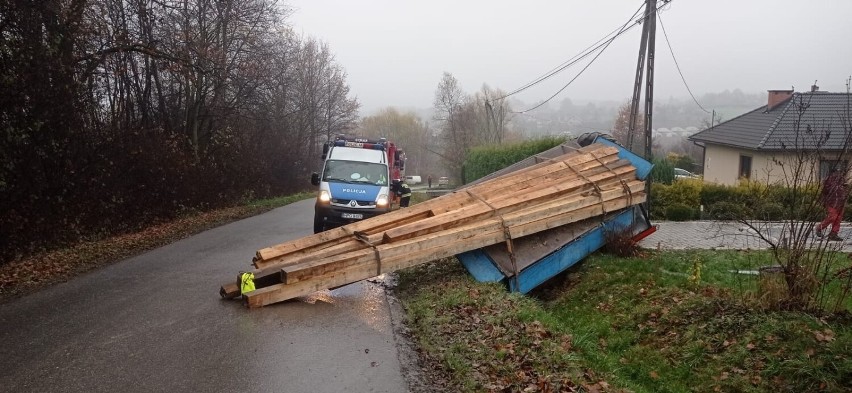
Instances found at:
x=649 y=79
x=645 y=61
x=637 y=86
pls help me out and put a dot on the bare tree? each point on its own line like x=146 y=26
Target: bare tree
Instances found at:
x=495 y=114
x=621 y=126
x=453 y=120
x=407 y=130
x=115 y=112
x=787 y=196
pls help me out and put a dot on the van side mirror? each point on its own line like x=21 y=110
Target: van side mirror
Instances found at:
x=315 y=179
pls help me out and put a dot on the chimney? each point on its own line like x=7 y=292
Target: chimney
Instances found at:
x=814 y=88
x=777 y=97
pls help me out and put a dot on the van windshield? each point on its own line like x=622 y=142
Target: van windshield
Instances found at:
x=355 y=172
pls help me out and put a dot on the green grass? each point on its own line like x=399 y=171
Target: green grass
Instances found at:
x=272 y=203
x=647 y=324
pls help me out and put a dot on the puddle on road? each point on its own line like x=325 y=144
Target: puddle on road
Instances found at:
x=366 y=299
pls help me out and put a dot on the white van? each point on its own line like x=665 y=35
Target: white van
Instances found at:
x=354 y=184
x=412 y=180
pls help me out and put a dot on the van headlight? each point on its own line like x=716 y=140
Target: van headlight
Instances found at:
x=382 y=201
x=324 y=196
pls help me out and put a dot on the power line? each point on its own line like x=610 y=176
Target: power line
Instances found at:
x=576 y=58
x=622 y=30
x=678 y=66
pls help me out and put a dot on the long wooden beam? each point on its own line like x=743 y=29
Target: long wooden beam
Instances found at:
x=354 y=273
x=566 y=201
x=411 y=247
x=587 y=154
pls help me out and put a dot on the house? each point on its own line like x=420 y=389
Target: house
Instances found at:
x=811 y=128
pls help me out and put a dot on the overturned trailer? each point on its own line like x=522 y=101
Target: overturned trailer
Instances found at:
x=521 y=226
x=531 y=260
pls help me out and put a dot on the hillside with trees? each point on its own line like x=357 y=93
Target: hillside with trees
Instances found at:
x=119 y=114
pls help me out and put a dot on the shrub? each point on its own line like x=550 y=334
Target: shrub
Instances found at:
x=662 y=172
x=712 y=193
x=771 y=211
x=680 y=212
x=684 y=192
x=687 y=192
x=619 y=241
x=484 y=160
x=726 y=211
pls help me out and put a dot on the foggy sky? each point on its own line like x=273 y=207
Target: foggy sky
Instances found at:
x=395 y=51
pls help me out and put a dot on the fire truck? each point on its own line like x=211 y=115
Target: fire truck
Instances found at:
x=357 y=180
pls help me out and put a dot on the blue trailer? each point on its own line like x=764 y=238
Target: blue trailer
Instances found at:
x=536 y=258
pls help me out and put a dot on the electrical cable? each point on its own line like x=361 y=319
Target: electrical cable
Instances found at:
x=579 y=56
x=678 y=66
x=623 y=30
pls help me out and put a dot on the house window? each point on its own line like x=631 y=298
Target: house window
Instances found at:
x=826 y=165
x=745 y=167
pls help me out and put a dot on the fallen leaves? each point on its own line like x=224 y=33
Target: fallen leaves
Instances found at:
x=33 y=272
x=825 y=336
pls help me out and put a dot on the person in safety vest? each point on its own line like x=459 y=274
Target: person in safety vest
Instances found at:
x=403 y=191
x=833 y=197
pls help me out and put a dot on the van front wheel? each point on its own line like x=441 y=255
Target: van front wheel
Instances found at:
x=319 y=224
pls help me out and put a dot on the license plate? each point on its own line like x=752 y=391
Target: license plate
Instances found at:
x=352 y=216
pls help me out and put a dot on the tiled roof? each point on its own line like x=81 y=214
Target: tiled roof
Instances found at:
x=805 y=121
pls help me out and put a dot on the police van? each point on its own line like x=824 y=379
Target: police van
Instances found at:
x=355 y=180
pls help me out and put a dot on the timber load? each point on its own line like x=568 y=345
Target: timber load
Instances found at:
x=585 y=182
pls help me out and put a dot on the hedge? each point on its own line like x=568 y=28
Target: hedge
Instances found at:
x=485 y=160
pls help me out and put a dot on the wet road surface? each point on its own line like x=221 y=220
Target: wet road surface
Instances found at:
x=155 y=323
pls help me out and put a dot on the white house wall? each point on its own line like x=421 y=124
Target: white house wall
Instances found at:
x=722 y=166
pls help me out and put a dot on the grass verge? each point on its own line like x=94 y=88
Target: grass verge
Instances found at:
x=34 y=272
x=663 y=322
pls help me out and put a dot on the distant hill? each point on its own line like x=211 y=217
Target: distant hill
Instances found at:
x=579 y=117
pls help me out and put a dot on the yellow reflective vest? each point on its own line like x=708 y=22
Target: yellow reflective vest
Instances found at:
x=246 y=282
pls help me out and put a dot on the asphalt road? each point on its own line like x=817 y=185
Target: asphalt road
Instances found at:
x=155 y=323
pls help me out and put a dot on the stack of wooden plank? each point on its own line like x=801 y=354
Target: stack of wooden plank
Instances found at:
x=588 y=182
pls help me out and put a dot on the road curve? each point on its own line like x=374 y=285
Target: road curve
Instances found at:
x=155 y=323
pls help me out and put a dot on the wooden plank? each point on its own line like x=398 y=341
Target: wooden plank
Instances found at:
x=481 y=210
x=499 y=185
x=564 y=203
x=567 y=174
x=319 y=266
x=573 y=203
x=412 y=247
x=354 y=273
x=229 y=291
x=574 y=216
x=408 y=248
x=369 y=226
x=350 y=244
x=343 y=234
x=281 y=292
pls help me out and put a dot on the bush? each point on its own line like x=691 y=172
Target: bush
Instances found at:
x=680 y=212
x=771 y=211
x=713 y=193
x=726 y=211
x=485 y=160
x=662 y=172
